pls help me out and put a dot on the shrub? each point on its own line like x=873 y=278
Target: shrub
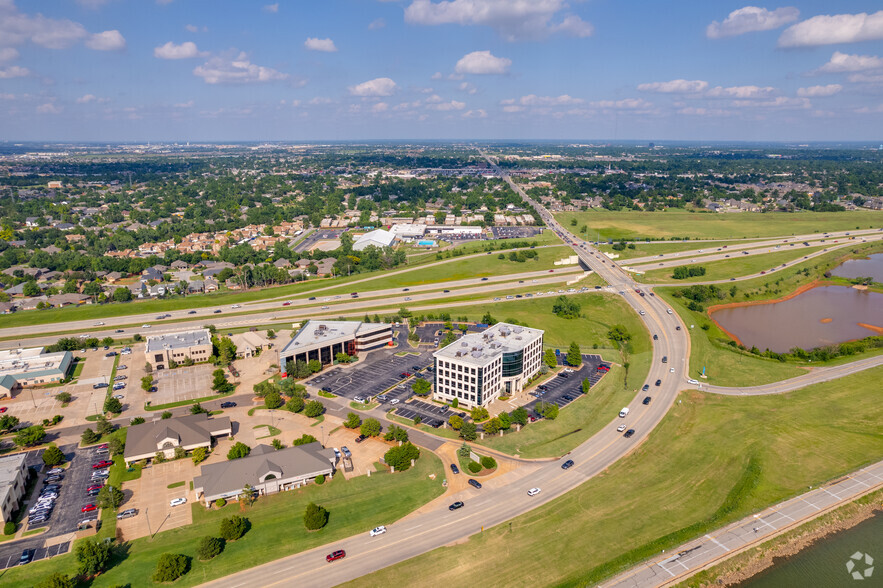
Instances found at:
x=315 y=517
x=208 y=547
x=199 y=455
x=166 y=415
x=238 y=450
x=320 y=479
x=233 y=528
x=277 y=444
x=9 y=528
x=137 y=421
x=220 y=503
x=488 y=462
x=400 y=457
x=370 y=428
x=314 y=409
x=474 y=467
x=53 y=455
x=170 y=567
x=56 y=580
x=352 y=421
x=304 y=439
x=92 y=557
x=63 y=397
x=273 y=400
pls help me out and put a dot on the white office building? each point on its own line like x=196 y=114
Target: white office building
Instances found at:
x=480 y=367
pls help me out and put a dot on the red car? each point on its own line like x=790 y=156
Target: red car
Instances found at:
x=89 y=508
x=102 y=446
x=405 y=375
x=286 y=304
x=335 y=555
x=3 y=409
x=101 y=464
x=95 y=487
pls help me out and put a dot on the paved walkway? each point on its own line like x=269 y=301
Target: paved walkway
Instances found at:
x=692 y=557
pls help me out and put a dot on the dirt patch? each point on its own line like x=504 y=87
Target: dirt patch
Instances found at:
x=876 y=329
x=826 y=320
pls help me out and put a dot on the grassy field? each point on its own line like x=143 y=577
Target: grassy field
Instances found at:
x=664 y=247
x=632 y=225
x=575 y=423
x=277 y=528
x=712 y=460
x=738 y=265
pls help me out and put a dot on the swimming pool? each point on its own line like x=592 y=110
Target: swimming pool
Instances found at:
x=426 y=243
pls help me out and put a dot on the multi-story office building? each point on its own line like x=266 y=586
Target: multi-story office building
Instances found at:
x=480 y=367
x=194 y=345
x=323 y=340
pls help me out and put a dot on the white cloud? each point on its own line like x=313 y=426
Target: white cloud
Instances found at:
x=436 y=76
x=271 y=8
x=8 y=54
x=817 y=91
x=315 y=44
x=477 y=113
x=844 y=62
x=106 y=41
x=380 y=107
x=562 y=100
x=512 y=108
x=778 y=102
x=838 y=28
x=195 y=29
x=467 y=87
x=377 y=23
x=713 y=112
x=188 y=104
x=482 y=62
x=446 y=106
x=861 y=78
x=513 y=20
x=675 y=87
x=741 y=92
x=48 y=108
x=319 y=100
x=624 y=104
x=750 y=19
x=86 y=98
x=17 y=28
x=375 y=87
x=235 y=70
x=870 y=109
x=186 y=50
x=14 y=71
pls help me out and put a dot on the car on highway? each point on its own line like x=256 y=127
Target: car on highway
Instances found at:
x=671 y=370
x=620 y=428
x=655 y=337
x=324 y=308
x=236 y=306
x=533 y=491
x=218 y=311
x=335 y=555
x=228 y=404
x=286 y=303
x=191 y=312
x=99 y=324
x=646 y=400
x=692 y=381
x=474 y=483
x=567 y=464
x=456 y=505
x=629 y=433
x=377 y=531
x=177 y=501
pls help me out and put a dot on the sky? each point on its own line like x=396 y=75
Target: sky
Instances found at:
x=226 y=70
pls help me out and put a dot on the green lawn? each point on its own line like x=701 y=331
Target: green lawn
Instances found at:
x=737 y=265
x=712 y=460
x=636 y=225
x=658 y=247
x=277 y=528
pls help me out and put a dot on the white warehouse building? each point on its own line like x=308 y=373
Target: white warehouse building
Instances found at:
x=478 y=368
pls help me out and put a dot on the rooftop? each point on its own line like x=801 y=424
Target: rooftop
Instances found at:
x=9 y=467
x=178 y=340
x=33 y=362
x=482 y=348
x=324 y=332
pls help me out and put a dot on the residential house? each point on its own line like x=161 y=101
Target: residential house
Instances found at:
x=152 y=273
x=326 y=266
x=281 y=263
x=248 y=344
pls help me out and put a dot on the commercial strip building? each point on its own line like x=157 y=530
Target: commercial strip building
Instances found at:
x=378 y=237
x=144 y=441
x=13 y=480
x=161 y=349
x=31 y=367
x=266 y=470
x=323 y=340
x=478 y=368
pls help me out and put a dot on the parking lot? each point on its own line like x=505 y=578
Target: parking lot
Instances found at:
x=516 y=232
x=183 y=383
x=430 y=414
x=313 y=240
x=378 y=371
x=563 y=390
x=428 y=332
x=36 y=549
x=150 y=495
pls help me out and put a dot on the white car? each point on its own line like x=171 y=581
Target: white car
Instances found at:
x=692 y=381
x=533 y=491
x=672 y=370
x=394 y=401
x=641 y=312
x=177 y=501
x=145 y=326
x=99 y=324
x=377 y=531
x=324 y=308
x=236 y=306
x=620 y=428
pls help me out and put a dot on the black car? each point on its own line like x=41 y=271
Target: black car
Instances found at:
x=454 y=468
x=567 y=464
x=456 y=505
x=659 y=382
x=228 y=404
x=655 y=337
x=628 y=433
x=152 y=389
x=646 y=400
x=25 y=557
x=562 y=375
x=191 y=312
x=475 y=483
x=218 y=311
x=118 y=331
x=483 y=280
x=542 y=387
x=326 y=389
x=567 y=397
x=645 y=388
x=311 y=298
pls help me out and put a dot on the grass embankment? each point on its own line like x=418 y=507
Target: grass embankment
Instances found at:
x=653 y=248
x=277 y=528
x=674 y=223
x=738 y=265
x=728 y=366
x=712 y=460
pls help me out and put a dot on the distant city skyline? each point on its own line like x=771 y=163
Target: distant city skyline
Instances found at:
x=219 y=70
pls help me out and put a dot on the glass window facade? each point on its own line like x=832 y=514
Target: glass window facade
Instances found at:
x=513 y=364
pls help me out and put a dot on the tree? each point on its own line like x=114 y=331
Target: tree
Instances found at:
x=619 y=334
x=209 y=547
x=122 y=294
x=199 y=455
x=233 y=528
x=219 y=382
x=146 y=382
x=519 y=415
x=110 y=497
x=167 y=414
x=548 y=410
x=89 y=437
x=370 y=428
x=63 y=397
x=170 y=567
x=92 y=557
x=8 y=421
x=295 y=404
x=315 y=366
x=456 y=422
x=104 y=426
x=421 y=387
x=492 y=426
x=137 y=421
x=550 y=359
x=395 y=433
x=113 y=405
x=30 y=436
x=199 y=409
x=273 y=400
x=56 y=580
x=574 y=355
x=479 y=413
x=469 y=431
x=352 y=421
x=238 y=450
x=53 y=455
x=107 y=341
x=313 y=409
x=566 y=308
x=225 y=350
x=30 y=289
x=400 y=457
x=315 y=517
x=261 y=389
x=586 y=385
x=304 y=439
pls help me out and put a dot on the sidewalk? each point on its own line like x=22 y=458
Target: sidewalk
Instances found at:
x=692 y=557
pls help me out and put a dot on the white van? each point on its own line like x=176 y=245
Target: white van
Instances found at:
x=624 y=412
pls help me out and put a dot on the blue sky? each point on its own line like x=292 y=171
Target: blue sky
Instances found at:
x=192 y=70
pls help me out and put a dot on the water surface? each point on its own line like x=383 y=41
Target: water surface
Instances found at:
x=872 y=267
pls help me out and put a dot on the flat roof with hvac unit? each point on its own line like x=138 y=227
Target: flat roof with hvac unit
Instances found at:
x=162 y=350
x=31 y=367
x=323 y=340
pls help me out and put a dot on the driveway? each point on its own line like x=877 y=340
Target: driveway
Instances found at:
x=150 y=495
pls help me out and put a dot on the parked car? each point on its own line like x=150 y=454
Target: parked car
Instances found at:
x=455 y=469
x=122 y=367
x=25 y=557
x=128 y=513
x=228 y=404
x=346 y=452
x=88 y=508
x=456 y=505
x=475 y=483
x=177 y=501
x=102 y=464
x=335 y=555
x=377 y=531
x=361 y=438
